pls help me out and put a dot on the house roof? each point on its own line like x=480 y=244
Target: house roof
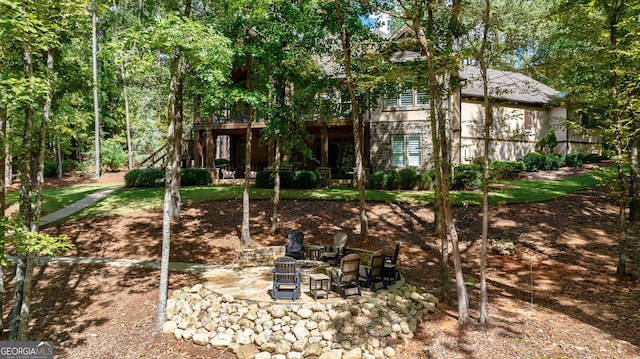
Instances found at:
x=507 y=86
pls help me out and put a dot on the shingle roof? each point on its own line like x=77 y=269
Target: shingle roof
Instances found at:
x=507 y=86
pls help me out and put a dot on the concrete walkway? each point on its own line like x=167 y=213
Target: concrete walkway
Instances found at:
x=77 y=206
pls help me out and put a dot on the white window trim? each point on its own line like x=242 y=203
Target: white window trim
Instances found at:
x=388 y=102
x=409 y=152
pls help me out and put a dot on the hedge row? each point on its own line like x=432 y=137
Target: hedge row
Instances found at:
x=155 y=177
x=289 y=179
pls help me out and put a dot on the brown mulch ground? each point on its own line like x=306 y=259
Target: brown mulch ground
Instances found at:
x=557 y=297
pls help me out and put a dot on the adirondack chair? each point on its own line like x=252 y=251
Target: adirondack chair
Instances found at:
x=286 y=279
x=335 y=251
x=372 y=274
x=347 y=276
x=389 y=271
x=295 y=245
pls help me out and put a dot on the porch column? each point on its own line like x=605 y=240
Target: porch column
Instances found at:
x=324 y=146
x=211 y=149
x=197 y=149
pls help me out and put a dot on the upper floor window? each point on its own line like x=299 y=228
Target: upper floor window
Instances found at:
x=407 y=99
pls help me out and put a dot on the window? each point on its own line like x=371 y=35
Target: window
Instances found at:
x=528 y=120
x=410 y=98
x=406 y=150
x=397 y=151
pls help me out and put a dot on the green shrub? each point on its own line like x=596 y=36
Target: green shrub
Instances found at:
x=289 y=179
x=574 y=159
x=425 y=180
x=147 y=177
x=533 y=161
x=592 y=158
x=195 y=177
x=392 y=180
x=264 y=179
x=305 y=179
x=408 y=178
x=467 y=177
x=221 y=162
x=376 y=180
x=552 y=162
x=478 y=160
x=50 y=168
x=500 y=170
x=112 y=155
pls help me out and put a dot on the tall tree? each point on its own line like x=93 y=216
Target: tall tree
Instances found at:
x=342 y=21
x=189 y=44
x=96 y=105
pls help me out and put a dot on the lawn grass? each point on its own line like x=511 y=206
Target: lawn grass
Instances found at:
x=516 y=191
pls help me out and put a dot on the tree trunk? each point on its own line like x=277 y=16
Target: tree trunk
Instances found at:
x=126 y=112
x=245 y=238
x=345 y=38
x=174 y=137
x=441 y=158
x=3 y=162
x=276 y=188
x=171 y=204
x=59 y=157
x=163 y=287
x=634 y=187
x=488 y=123
x=96 y=112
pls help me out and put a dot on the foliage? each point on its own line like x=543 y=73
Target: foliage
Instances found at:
x=425 y=180
x=467 y=177
x=592 y=158
x=289 y=179
x=552 y=162
x=221 y=162
x=575 y=159
x=547 y=143
x=533 y=161
x=147 y=177
x=24 y=241
x=500 y=170
x=112 y=155
x=195 y=177
x=408 y=178
x=50 y=168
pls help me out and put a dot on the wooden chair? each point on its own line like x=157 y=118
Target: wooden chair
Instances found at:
x=347 y=277
x=335 y=251
x=372 y=274
x=295 y=245
x=389 y=271
x=286 y=279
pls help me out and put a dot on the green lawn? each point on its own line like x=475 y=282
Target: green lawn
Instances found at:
x=517 y=191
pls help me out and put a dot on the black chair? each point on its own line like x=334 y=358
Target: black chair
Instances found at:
x=295 y=245
x=347 y=277
x=389 y=271
x=372 y=274
x=286 y=279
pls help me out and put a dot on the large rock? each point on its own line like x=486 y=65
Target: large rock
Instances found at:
x=334 y=354
x=169 y=327
x=353 y=354
x=200 y=339
x=247 y=351
x=221 y=340
x=312 y=349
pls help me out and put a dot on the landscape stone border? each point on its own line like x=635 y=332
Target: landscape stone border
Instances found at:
x=365 y=327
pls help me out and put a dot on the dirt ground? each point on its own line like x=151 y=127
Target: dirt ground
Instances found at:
x=556 y=297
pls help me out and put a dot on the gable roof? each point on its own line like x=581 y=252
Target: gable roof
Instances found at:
x=507 y=86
